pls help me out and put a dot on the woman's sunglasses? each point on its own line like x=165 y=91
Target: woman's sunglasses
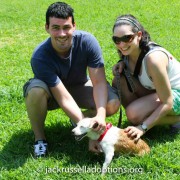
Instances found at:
x=126 y=38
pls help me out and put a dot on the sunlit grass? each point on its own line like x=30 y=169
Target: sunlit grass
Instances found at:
x=21 y=29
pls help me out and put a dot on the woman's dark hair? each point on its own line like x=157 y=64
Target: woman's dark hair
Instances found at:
x=129 y=19
x=59 y=10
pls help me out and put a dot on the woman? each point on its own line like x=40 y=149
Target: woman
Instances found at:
x=154 y=78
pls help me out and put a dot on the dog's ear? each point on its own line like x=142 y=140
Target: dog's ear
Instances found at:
x=95 y=125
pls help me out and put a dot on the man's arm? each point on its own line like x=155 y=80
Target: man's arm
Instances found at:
x=97 y=76
x=66 y=102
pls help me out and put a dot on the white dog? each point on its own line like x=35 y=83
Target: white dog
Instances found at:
x=112 y=140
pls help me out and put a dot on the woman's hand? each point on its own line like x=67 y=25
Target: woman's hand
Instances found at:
x=134 y=132
x=118 y=68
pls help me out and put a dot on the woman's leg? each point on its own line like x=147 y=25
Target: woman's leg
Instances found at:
x=141 y=108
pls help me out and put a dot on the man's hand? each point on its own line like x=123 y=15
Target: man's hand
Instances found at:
x=94 y=146
x=98 y=124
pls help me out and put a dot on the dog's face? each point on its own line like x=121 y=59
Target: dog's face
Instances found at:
x=83 y=128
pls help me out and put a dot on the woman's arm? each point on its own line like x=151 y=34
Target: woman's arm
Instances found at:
x=157 y=64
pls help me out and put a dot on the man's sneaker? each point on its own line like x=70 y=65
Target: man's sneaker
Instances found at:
x=40 y=148
x=72 y=123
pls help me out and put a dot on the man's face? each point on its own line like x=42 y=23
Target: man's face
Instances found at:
x=61 y=31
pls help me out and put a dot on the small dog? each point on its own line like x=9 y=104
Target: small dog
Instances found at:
x=113 y=140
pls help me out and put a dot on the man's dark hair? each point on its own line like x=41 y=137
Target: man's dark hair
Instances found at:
x=59 y=10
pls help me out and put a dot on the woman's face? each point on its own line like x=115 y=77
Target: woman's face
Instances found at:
x=126 y=40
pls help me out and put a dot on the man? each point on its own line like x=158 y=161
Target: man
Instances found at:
x=59 y=65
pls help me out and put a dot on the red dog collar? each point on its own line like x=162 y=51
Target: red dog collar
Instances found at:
x=108 y=126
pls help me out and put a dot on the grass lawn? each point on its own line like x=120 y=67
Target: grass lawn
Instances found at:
x=21 y=30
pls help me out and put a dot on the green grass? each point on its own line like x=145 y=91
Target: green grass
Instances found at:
x=21 y=29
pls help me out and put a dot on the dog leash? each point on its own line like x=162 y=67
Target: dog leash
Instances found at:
x=118 y=85
x=129 y=80
x=131 y=87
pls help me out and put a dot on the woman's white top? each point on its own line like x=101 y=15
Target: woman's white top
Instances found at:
x=173 y=71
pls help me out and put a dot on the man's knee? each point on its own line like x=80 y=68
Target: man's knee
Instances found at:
x=112 y=107
x=36 y=93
